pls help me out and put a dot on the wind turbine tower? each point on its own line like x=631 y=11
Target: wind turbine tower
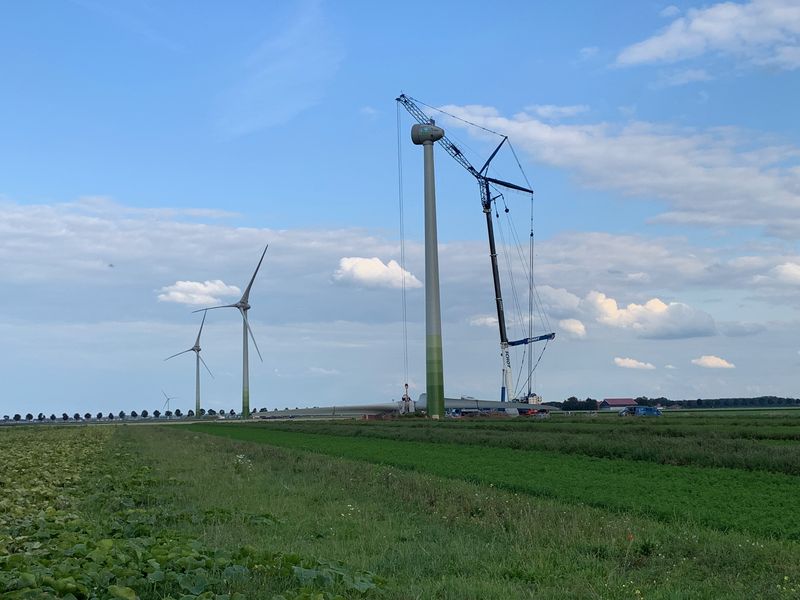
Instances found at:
x=425 y=135
x=244 y=305
x=198 y=360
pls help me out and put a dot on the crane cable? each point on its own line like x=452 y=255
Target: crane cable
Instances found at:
x=402 y=248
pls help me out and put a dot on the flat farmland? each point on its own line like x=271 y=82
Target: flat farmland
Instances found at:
x=689 y=506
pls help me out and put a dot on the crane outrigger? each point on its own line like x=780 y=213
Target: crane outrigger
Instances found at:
x=485 y=184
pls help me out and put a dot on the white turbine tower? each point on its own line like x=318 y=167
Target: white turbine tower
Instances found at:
x=244 y=305
x=198 y=360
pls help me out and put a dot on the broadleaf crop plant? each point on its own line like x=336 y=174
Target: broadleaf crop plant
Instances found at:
x=78 y=520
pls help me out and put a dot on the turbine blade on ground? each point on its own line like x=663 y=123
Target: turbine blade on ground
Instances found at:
x=246 y=295
x=178 y=354
x=205 y=365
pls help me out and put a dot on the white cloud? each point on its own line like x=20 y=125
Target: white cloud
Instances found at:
x=483 y=321
x=678 y=78
x=588 y=52
x=323 y=372
x=373 y=272
x=763 y=32
x=558 y=301
x=197 y=292
x=715 y=177
x=670 y=367
x=632 y=363
x=552 y=111
x=638 y=277
x=782 y=275
x=670 y=11
x=653 y=319
x=787 y=273
x=740 y=329
x=573 y=327
x=709 y=361
x=285 y=75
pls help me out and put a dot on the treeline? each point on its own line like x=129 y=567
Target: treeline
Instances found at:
x=573 y=403
x=121 y=415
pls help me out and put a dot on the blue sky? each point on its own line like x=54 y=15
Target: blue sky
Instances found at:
x=175 y=140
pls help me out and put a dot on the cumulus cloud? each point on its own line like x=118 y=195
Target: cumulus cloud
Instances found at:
x=558 y=301
x=678 y=78
x=714 y=178
x=653 y=319
x=552 y=111
x=573 y=327
x=783 y=275
x=483 y=321
x=787 y=273
x=762 y=32
x=632 y=363
x=373 y=272
x=709 y=361
x=323 y=372
x=740 y=329
x=670 y=11
x=197 y=292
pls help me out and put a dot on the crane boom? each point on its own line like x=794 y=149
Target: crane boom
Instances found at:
x=484 y=183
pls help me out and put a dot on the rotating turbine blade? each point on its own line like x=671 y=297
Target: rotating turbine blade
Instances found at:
x=252 y=337
x=205 y=365
x=197 y=342
x=178 y=354
x=246 y=295
x=213 y=307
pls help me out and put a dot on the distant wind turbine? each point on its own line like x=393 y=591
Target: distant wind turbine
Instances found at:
x=168 y=398
x=244 y=305
x=198 y=360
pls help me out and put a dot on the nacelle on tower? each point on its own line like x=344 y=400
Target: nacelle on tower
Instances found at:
x=428 y=132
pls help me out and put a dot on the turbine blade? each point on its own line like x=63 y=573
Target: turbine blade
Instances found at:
x=165 y=395
x=213 y=307
x=205 y=365
x=197 y=342
x=178 y=354
x=252 y=337
x=246 y=295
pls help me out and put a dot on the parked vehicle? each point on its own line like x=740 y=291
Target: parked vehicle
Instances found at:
x=640 y=411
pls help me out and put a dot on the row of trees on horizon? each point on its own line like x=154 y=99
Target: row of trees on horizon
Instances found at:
x=121 y=415
x=573 y=403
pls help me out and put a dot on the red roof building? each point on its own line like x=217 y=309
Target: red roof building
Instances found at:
x=611 y=403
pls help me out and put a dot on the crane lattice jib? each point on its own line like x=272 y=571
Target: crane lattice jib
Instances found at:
x=454 y=151
x=446 y=143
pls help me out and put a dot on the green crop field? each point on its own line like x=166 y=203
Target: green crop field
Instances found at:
x=686 y=506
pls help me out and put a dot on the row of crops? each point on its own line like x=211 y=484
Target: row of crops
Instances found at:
x=81 y=518
x=754 y=501
x=735 y=443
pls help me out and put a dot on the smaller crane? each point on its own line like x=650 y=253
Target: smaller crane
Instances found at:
x=484 y=183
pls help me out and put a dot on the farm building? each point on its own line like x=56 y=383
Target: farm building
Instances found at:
x=617 y=403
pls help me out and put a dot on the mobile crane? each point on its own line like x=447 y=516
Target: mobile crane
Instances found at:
x=485 y=184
